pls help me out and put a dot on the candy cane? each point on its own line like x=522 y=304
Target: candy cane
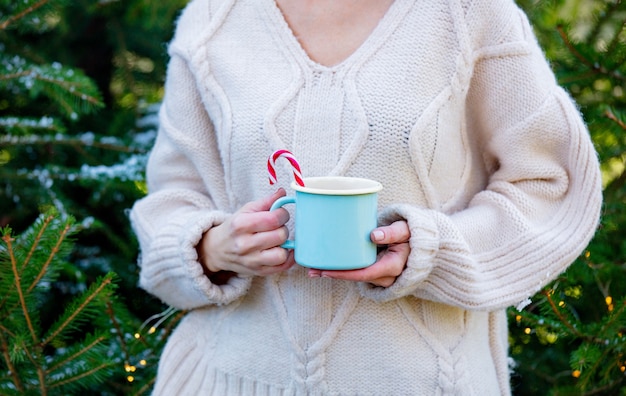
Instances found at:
x=271 y=166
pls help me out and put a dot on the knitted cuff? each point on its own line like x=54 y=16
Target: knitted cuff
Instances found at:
x=424 y=244
x=191 y=235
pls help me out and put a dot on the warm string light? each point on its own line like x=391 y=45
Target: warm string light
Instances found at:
x=609 y=303
x=543 y=333
x=574 y=292
x=162 y=317
x=587 y=256
x=129 y=368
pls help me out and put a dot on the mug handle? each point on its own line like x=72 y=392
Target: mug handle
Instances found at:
x=280 y=202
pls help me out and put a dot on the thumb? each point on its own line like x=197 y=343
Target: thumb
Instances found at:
x=397 y=232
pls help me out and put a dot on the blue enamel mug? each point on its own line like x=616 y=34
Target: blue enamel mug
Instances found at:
x=334 y=217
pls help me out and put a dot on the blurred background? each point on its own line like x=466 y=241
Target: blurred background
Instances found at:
x=80 y=86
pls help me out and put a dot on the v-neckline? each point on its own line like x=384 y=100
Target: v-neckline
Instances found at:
x=379 y=34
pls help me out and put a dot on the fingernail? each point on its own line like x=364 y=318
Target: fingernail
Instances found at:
x=378 y=235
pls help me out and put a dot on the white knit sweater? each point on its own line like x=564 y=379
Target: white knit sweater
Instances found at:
x=451 y=105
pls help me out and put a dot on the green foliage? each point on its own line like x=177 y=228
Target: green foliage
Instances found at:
x=80 y=83
x=91 y=343
x=28 y=15
x=40 y=357
x=572 y=339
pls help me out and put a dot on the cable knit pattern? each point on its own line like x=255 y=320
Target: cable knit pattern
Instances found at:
x=451 y=105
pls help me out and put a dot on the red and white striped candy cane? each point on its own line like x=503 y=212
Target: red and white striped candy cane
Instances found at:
x=271 y=166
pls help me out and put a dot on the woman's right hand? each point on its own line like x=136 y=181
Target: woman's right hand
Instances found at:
x=248 y=242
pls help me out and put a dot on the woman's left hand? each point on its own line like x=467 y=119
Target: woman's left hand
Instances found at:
x=391 y=261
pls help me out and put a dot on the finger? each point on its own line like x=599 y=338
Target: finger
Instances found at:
x=270 y=270
x=249 y=246
x=397 y=232
x=271 y=257
x=268 y=262
x=389 y=266
x=368 y=274
x=269 y=239
x=250 y=223
x=382 y=282
x=265 y=203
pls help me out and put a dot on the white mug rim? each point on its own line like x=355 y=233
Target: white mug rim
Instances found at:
x=363 y=186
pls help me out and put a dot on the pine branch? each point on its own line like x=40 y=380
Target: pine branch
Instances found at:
x=574 y=331
x=572 y=49
x=132 y=169
x=66 y=89
x=82 y=364
x=41 y=376
x=43 y=225
x=14 y=76
x=76 y=142
x=72 y=313
x=592 y=66
x=85 y=349
x=46 y=222
x=4 y=329
x=7 y=359
x=611 y=116
x=16 y=126
x=16 y=274
x=53 y=253
x=84 y=375
x=560 y=316
x=597 y=361
x=16 y=17
x=110 y=312
x=70 y=89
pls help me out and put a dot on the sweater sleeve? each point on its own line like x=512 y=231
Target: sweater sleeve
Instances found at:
x=541 y=203
x=186 y=195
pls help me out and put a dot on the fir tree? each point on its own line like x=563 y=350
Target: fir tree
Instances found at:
x=571 y=338
x=44 y=357
x=88 y=346
x=48 y=162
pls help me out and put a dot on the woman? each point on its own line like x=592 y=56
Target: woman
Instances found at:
x=492 y=189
